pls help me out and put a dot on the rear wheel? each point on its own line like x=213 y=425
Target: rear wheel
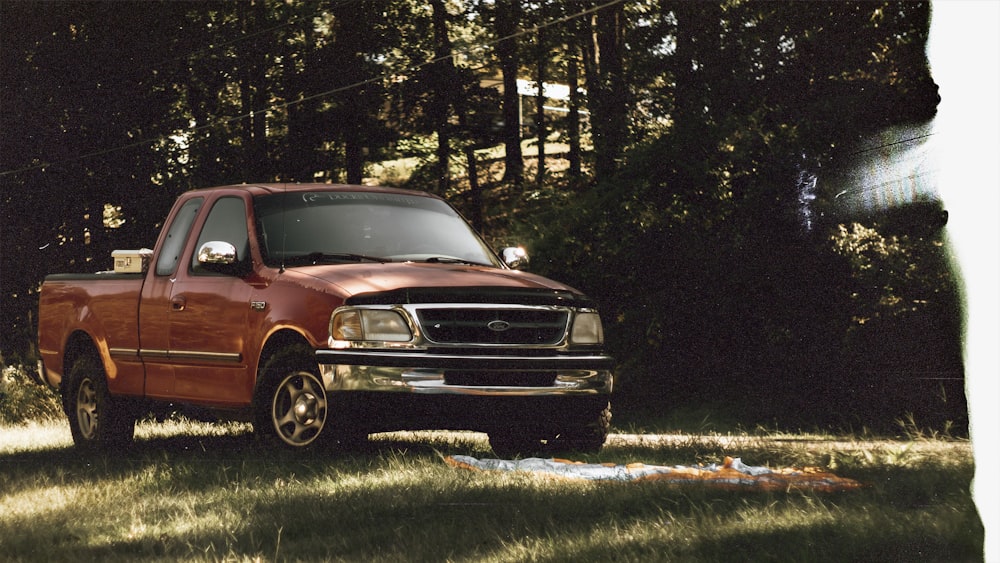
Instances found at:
x=96 y=419
x=588 y=437
x=576 y=435
x=516 y=442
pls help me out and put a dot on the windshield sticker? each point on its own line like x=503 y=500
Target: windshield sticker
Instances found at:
x=313 y=197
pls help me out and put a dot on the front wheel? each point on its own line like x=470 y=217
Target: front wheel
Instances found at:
x=96 y=419
x=291 y=401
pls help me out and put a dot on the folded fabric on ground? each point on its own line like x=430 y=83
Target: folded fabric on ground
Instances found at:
x=731 y=474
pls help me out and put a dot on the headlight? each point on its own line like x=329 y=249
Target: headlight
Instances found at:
x=372 y=325
x=587 y=329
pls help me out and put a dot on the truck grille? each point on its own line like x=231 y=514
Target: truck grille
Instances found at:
x=494 y=326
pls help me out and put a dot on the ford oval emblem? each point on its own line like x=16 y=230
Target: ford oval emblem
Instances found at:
x=498 y=325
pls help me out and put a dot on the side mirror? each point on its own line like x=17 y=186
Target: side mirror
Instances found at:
x=220 y=257
x=515 y=257
x=217 y=253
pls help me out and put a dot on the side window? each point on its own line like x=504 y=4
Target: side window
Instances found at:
x=227 y=222
x=173 y=244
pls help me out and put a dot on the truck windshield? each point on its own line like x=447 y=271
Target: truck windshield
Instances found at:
x=333 y=227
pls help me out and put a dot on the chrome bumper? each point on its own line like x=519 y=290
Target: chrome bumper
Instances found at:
x=422 y=373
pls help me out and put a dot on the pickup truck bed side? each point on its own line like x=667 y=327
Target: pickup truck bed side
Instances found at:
x=92 y=309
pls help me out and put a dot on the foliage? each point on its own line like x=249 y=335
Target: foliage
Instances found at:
x=208 y=493
x=22 y=400
x=719 y=279
x=692 y=221
x=887 y=273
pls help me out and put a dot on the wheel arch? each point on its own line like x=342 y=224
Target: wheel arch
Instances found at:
x=99 y=422
x=276 y=342
x=78 y=345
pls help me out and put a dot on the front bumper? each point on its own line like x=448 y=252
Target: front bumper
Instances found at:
x=425 y=373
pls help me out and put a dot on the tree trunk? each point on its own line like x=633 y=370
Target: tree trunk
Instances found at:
x=508 y=15
x=442 y=55
x=253 y=94
x=609 y=101
x=588 y=52
x=474 y=188
x=573 y=117
x=541 y=60
x=354 y=159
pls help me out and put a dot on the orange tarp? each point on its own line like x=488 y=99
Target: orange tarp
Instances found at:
x=731 y=474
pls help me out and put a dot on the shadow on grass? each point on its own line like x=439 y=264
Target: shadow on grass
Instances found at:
x=196 y=448
x=209 y=496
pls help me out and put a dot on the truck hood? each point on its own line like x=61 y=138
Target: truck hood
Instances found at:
x=408 y=282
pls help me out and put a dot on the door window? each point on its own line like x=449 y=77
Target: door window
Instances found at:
x=227 y=222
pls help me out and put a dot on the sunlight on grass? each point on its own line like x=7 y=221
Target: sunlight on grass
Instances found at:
x=145 y=430
x=200 y=492
x=39 y=501
x=34 y=436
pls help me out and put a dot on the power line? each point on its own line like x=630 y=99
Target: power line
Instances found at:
x=892 y=144
x=284 y=105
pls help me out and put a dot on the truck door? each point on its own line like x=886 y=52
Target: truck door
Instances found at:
x=208 y=315
x=154 y=305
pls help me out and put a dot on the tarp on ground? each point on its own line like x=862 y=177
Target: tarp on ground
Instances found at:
x=731 y=474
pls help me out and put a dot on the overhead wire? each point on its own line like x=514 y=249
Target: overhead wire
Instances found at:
x=302 y=99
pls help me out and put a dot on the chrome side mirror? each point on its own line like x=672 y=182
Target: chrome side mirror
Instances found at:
x=217 y=253
x=515 y=257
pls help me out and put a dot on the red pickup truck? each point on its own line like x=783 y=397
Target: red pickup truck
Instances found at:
x=323 y=313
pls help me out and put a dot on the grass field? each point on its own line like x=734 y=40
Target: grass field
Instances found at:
x=197 y=492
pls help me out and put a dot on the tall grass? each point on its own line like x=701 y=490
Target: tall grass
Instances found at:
x=209 y=493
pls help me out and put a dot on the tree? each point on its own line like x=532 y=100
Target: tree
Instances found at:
x=507 y=18
x=703 y=233
x=573 y=114
x=359 y=40
x=85 y=97
x=253 y=90
x=542 y=52
x=608 y=90
x=443 y=73
x=301 y=80
x=708 y=240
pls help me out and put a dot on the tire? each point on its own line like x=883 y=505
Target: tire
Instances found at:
x=516 y=442
x=582 y=437
x=97 y=420
x=291 y=405
x=587 y=438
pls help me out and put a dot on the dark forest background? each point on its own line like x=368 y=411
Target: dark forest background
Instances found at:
x=683 y=182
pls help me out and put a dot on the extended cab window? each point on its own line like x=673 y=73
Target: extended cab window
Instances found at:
x=173 y=244
x=227 y=222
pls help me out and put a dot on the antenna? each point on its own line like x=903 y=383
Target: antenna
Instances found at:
x=284 y=189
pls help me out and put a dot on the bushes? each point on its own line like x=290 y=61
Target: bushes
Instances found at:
x=844 y=324
x=23 y=400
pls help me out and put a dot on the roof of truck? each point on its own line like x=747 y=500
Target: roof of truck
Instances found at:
x=273 y=188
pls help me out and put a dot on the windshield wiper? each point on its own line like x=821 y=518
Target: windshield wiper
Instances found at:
x=317 y=257
x=452 y=260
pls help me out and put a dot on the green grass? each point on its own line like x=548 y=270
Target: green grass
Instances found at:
x=199 y=492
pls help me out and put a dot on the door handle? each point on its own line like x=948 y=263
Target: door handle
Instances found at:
x=178 y=303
